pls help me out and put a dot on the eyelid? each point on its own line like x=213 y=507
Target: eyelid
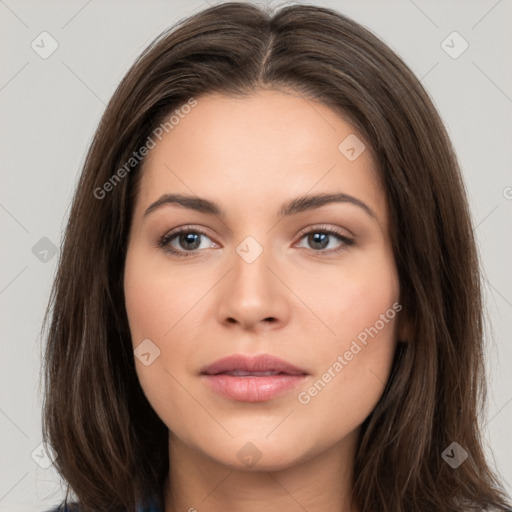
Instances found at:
x=186 y=228
x=326 y=227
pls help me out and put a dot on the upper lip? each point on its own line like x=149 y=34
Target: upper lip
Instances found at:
x=255 y=363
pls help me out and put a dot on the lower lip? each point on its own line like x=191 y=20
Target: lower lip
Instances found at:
x=252 y=389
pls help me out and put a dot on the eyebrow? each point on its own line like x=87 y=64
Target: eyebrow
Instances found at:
x=293 y=207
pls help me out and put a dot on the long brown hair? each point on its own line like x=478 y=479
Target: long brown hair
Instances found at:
x=111 y=446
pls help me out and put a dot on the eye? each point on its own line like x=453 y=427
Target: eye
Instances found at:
x=183 y=241
x=187 y=240
x=320 y=238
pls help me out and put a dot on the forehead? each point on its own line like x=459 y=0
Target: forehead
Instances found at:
x=256 y=150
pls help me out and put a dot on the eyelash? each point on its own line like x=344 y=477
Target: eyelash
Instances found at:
x=164 y=241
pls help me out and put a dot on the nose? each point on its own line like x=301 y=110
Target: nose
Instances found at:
x=253 y=295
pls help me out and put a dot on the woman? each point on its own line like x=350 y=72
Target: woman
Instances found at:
x=318 y=345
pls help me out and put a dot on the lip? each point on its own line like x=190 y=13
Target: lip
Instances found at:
x=252 y=378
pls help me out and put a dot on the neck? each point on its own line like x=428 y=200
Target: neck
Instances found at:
x=323 y=483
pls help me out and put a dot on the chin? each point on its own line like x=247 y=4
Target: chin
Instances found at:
x=255 y=453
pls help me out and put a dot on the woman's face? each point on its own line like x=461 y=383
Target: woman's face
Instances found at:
x=262 y=272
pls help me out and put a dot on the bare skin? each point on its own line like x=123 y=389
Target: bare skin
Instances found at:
x=298 y=300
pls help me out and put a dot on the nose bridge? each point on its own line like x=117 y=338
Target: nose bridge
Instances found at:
x=251 y=275
x=252 y=293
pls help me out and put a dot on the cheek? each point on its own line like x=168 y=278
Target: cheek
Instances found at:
x=345 y=303
x=167 y=306
x=157 y=297
x=352 y=379
x=354 y=353
x=339 y=399
x=155 y=302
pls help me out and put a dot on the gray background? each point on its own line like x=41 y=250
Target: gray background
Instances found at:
x=50 y=109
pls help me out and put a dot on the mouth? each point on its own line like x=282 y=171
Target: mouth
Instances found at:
x=243 y=373
x=252 y=378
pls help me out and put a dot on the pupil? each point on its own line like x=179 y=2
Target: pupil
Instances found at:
x=319 y=238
